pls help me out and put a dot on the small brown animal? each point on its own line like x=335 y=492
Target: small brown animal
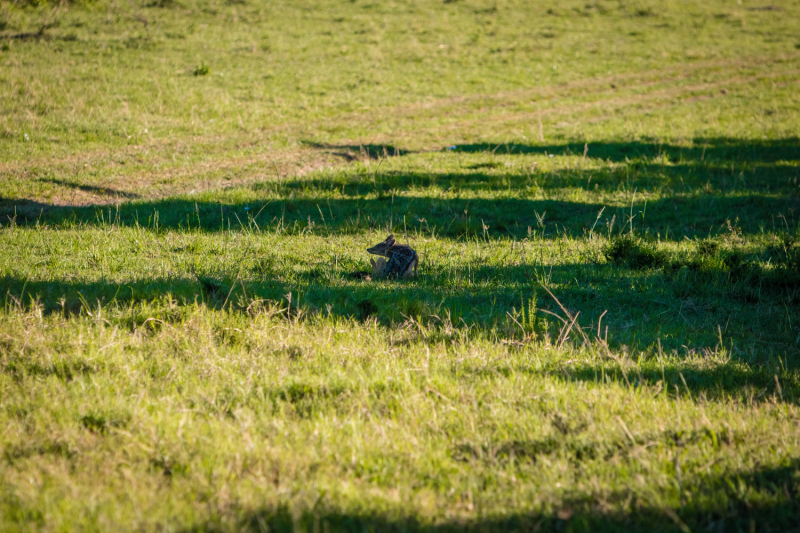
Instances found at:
x=402 y=260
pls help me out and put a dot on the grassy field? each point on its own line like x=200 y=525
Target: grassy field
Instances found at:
x=605 y=328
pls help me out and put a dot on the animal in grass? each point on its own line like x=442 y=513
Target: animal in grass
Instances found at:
x=401 y=260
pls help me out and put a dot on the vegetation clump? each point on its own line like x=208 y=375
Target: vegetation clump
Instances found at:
x=202 y=69
x=634 y=252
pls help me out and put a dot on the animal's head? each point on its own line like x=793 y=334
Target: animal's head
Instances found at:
x=382 y=248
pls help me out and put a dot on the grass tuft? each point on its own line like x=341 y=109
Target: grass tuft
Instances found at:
x=201 y=70
x=634 y=252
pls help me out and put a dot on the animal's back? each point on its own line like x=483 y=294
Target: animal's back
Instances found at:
x=402 y=262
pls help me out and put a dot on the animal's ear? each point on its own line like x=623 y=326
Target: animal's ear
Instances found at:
x=389 y=238
x=390 y=242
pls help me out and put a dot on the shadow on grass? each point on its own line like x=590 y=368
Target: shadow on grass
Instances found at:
x=762 y=500
x=712 y=150
x=703 y=184
x=708 y=179
x=747 y=166
x=700 y=381
x=690 y=370
x=572 y=441
x=359 y=152
x=687 y=289
x=671 y=218
x=100 y=191
x=641 y=308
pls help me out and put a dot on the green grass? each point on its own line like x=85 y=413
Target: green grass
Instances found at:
x=604 y=333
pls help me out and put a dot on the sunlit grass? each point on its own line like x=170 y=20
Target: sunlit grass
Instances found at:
x=603 y=333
